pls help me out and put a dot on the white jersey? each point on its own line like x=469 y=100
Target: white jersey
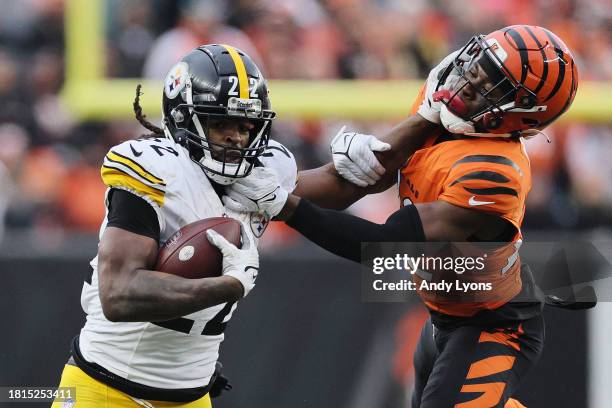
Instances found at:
x=161 y=172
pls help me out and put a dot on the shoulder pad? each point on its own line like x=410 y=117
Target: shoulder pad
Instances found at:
x=134 y=165
x=279 y=158
x=490 y=183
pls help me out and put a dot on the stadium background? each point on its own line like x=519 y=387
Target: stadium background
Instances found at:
x=68 y=70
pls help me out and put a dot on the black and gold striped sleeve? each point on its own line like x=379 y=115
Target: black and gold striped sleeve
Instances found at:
x=123 y=172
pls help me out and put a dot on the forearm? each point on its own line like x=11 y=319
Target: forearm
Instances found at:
x=326 y=188
x=156 y=296
x=406 y=138
x=343 y=234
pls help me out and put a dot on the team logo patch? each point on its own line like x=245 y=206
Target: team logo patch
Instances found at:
x=176 y=80
x=259 y=223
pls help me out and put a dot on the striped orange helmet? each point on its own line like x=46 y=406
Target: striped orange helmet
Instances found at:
x=530 y=79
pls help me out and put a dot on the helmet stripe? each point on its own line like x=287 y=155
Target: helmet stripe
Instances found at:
x=544 y=59
x=243 y=80
x=561 y=66
x=568 y=102
x=572 y=92
x=522 y=49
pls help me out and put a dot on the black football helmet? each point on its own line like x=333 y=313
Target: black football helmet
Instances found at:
x=217 y=81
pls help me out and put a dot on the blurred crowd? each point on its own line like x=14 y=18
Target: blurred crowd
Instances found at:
x=49 y=161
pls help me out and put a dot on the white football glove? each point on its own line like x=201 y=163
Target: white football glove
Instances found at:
x=430 y=108
x=354 y=158
x=258 y=192
x=242 y=264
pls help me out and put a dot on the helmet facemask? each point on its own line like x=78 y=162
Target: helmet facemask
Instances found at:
x=478 y=70
x=194 y=121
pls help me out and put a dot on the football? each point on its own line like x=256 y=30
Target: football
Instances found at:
x=189 y=254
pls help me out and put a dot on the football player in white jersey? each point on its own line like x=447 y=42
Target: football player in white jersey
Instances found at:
x=152 y=339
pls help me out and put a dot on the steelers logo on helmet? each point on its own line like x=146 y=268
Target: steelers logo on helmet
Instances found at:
x=223 y=94
x=512 y=82
x=176 y=80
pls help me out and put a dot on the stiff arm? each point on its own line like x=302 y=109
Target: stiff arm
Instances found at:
x=326 y=188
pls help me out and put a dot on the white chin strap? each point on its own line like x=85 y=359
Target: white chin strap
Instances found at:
x=455 y=124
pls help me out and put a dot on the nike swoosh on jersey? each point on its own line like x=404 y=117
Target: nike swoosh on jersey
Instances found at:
x=473 y=202
x=136 y=153
x=269 y=199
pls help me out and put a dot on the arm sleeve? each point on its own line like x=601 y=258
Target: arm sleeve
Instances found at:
x=132 y=213
x=342 y=233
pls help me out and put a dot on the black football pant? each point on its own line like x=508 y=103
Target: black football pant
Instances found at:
x=474 y=367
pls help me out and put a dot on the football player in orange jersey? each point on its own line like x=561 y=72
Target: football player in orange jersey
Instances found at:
x=463 y=176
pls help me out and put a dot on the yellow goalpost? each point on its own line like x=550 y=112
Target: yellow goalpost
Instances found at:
x=91 y=95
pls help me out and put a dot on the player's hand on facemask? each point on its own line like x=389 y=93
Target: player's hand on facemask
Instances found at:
x=354 y=158
x=243 y=263
x=430 y=107
x=259 y=192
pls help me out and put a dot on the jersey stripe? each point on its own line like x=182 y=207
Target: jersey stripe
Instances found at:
x=487 y=158
x=482 y=175
x=488 y=395
x=280 y=148
x=128 y=170
x=492 y=191
x=113 y=177
x=243 y=81
x=489 y=366
x=180 y=324
x=137 y=168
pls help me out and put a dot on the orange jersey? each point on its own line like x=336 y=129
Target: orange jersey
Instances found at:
x=481 y=174
x=491 y=175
